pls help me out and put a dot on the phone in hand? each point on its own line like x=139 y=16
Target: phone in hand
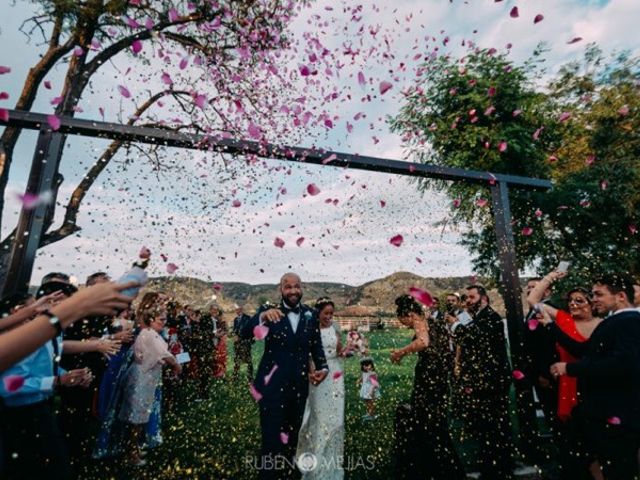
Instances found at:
x=563 y=266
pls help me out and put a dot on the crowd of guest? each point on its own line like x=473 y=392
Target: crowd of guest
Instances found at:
x=84 y=373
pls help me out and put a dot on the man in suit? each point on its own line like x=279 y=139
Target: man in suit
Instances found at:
x=241 y=346
x=485 y=380
x=282 y=382
x=606 y=420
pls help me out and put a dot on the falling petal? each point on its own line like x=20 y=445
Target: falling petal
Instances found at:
x=236 y=203
x=532 y=324
x=257 y=396
x=336 y=375
x=361 y=79
x=614 y=421
x=136 y=46
x=312 y=189
x=54 y=122
x=527 y=231
x=564 y=116
x=254 y=131
x=421 y=296
x=260 y=331
x=284 y=438
x=604 y=184
x=623 y=111
x=124 y=91
x=382 y=203
x=4 y=114
x=482 y=202
x=329 y=159
x=173 y=15
x=299 y=241
x=278 y=242
x=267 y=377
x=171 y=268
x=538 y=213
x=574 y=40
x=396 y=240
x=514 y=12
x=385 y=87
x=78 y=51
x=200 y=100
x=632 y=229
x=47 y=84
x=374 y=380
x=491 y=92
x=518 y=375
x=4 y=70
x=538 y=18
x=502 y=147
x=13 y=383
x=456 y=202
x=144 y=253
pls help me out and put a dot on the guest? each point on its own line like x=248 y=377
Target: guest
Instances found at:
x=151 y=354
x=369 y=387
x=607 y=417
x=241 y=346
x=322 y=431
x=432 y=454
x=220 y=364
x=201 y=349
x=485 y=378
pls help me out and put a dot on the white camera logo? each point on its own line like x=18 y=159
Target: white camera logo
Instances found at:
x=307 y=462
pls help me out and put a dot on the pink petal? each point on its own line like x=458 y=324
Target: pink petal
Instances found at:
x=312 y=189
x=514 y=12
x=374 y=380
x=361 y=80
x=278 y=242
x=144 y=253
x=502 y=147
x=13 y=383
x=236 y=203
x=396 y=241
x=254 y=131
x=183 y=63
x=482 y=202
x=4 y=115
x=148 y=23
x=171 y=268
x=200 y=100
x=78 y=51
x=527 y=231
x=590 y=159
x=124 y=91
x=564 y=116
x=385 y=87
x=166 y=78
x=336 y=375
x=217 y=287
x=604 y=184
x=29 y=200
x=267 y=377
x=418 y=259
x=491 y=92
x=421 y=296
x=284 y=438
x=518 y=375
x=299 y=241
x=4 y=69
x=257 y=396
x=382 y=203
x=54 y=122
x=173 y=15
x=260 y=331
x=304 y=71
x=136 y=46
x=538 y=213
x=532 y=323
x=538 y=18
x=614 y=421
x=574 y=40
x=456 y=202
x=56 y=101
x=537 y=133
x=330 y=158
x=632 y=229
x=623 y=111
x=47 y=84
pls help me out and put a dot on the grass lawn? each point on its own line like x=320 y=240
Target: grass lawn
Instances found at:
x=212 y=439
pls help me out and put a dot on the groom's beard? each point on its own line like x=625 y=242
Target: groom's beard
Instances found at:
x=292 y=299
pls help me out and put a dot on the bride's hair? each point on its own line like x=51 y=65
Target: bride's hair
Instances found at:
x=323 y=302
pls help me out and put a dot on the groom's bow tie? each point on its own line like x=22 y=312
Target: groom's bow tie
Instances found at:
x=286 y=309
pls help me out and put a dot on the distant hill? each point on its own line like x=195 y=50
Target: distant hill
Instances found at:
x=375 y=296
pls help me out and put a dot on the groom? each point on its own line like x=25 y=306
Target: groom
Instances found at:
x=283 y=375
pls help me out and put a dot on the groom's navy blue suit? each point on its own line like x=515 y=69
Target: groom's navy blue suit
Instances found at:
x=285 y=393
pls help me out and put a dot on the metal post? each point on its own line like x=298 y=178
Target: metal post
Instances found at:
x=31 y=223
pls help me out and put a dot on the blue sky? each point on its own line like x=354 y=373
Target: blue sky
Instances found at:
x=187 y=213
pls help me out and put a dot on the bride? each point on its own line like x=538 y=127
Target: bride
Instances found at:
x=322 y=431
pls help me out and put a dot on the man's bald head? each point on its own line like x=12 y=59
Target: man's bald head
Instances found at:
x=291 y=288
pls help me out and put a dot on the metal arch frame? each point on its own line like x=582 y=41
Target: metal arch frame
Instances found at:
x=50 y=144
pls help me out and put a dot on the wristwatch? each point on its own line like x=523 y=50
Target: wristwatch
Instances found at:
x=54 y=321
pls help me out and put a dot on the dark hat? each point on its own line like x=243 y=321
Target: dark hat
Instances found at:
x=51 y=287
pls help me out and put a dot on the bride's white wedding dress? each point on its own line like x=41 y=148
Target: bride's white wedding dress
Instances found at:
x=322 y=431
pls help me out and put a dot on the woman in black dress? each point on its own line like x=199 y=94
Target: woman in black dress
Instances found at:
x=433 y=453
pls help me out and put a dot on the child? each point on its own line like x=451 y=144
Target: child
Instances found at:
x=356 y=343
x=370 y=388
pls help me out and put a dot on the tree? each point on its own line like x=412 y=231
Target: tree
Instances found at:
x=483 y=112
x=233 y=77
